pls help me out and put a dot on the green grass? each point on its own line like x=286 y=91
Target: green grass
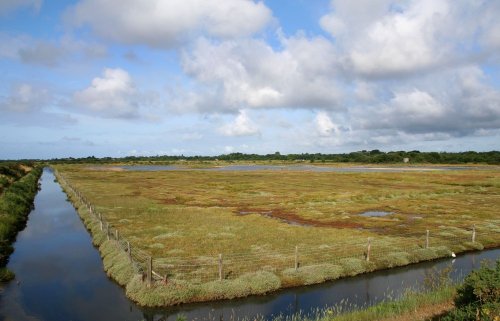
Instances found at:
x=185 y=219
x=16 y=201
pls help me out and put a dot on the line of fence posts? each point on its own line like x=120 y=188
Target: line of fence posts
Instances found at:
x=149 y=260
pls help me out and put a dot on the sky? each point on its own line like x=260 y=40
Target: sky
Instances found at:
x=209 y=77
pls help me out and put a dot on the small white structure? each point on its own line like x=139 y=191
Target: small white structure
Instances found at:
x=406 y=160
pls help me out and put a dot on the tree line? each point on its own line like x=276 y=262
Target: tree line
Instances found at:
x=365 y=157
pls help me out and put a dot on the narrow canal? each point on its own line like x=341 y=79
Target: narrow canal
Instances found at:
x=59 y=276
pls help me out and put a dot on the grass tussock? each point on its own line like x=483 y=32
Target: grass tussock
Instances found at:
x=176 y=292
x=116 y=262
x=313 y=274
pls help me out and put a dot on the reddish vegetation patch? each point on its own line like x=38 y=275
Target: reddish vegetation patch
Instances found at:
x=294 y=219
x=170 y=201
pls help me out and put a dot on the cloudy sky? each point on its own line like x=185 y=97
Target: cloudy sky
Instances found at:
x=132 y=77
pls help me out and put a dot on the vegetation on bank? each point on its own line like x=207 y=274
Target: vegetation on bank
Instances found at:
x=366 y=157
x=476 y=298
x=18 y=187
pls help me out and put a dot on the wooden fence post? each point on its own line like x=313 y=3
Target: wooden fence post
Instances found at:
x=220 y=267
x=368 y=249
x=101 y=225
x=116 y=235
x=427 y=240
x=474 y=233
x=296 y=257
x=149 y=275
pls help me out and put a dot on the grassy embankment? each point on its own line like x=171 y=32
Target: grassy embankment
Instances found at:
x=476 y=298
x=184 y=219
x=18 y=187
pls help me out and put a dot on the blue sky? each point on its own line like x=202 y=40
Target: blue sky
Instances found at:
x=207 y=77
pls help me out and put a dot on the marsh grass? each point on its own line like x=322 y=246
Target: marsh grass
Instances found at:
x=185 y=219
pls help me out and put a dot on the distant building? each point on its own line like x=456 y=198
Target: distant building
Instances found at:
x=406 y=160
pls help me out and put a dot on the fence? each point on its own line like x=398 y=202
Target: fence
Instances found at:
x=382 y=251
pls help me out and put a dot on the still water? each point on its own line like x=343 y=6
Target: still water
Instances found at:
x=60 y=277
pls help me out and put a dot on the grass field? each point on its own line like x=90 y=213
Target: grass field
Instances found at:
x=293 y=227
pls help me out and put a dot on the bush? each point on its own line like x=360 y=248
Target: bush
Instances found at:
x=480 y=287
x=478 y=298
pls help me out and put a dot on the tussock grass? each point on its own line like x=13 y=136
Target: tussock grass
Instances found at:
x=313 y=273
x=395 y=259
x=116 y=262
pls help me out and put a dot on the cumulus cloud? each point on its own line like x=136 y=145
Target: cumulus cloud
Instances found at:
x=7 y=6
x=468 y=105
x=325 y=125
x=112 y=95
x=249 y=73
x=241 y=126
x=158 y=23
x=384 y=38
x=48 y=53
x=24 y=98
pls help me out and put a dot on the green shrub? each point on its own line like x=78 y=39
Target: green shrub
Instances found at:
x=478 y=298
x=480 y=287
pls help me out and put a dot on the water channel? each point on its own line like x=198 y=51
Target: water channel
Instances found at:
x=59 y=276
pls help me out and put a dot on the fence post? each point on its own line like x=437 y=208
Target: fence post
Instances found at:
x=368 y=249
x=107 y=230
x=149 y=275
x=101 y=225
x=296 y=257
x=116 y=234
x=129 y=251
x=474 y=233
x=427 y=240
x=220 y=267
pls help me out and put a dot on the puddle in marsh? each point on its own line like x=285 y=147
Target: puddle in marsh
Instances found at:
x=375 y=214
x=61 y=277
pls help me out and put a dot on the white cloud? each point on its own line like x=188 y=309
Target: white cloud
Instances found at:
x=241 y=126
x=113 y=95
x=24 y=98
x=468 y=104
x=7 y=6
x=48 y=53
x=250 y=73
x=160 y=23
x=325 y=125
x=385 y=38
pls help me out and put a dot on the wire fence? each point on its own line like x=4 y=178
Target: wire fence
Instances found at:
x=376 y=252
